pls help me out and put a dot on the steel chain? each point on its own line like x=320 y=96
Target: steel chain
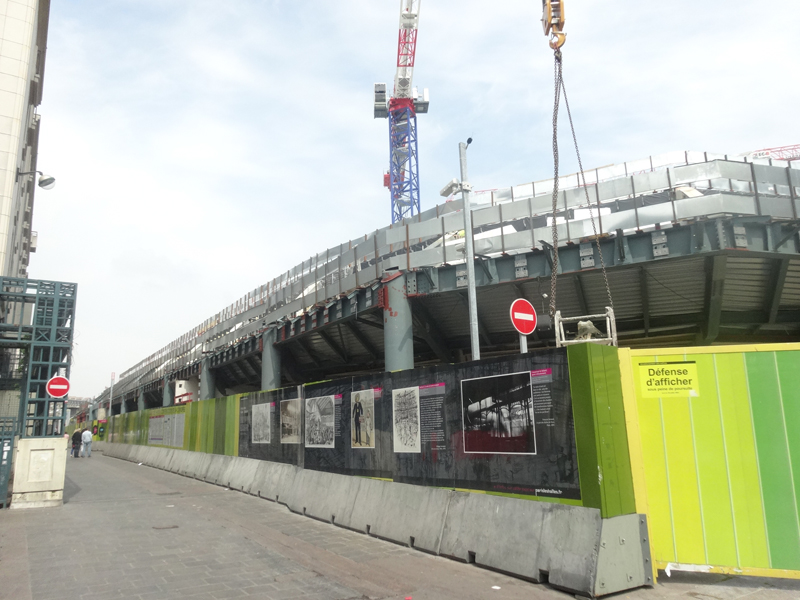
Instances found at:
x=586 y=191
x=557 y=101
x=559 y=88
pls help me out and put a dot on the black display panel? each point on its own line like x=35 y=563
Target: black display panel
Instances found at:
x=358 y=440
x=501 y=425
x=270 y=426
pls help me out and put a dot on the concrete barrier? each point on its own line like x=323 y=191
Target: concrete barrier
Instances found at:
x=366 y=507
x=217 y=468
x=201 y=465
x=315 y=494
x=272 y=480
x=569 y=547
x=412 y=515
x=162 y=458
x=173 y=458
x=241 y=473
x=191 y=464
x=555 y=537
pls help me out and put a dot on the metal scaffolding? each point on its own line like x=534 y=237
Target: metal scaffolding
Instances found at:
x=36 y=332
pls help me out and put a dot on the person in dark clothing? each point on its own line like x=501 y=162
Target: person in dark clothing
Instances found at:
x=358 y=410
x=76 y=443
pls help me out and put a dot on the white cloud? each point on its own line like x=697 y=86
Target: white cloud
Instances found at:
x=202 y=148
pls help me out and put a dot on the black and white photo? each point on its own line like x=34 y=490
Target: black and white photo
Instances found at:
x=290 y=421
x=262 y=423
x=498 y=415
x=362 y=419
x=320 y=422
x=405 y=420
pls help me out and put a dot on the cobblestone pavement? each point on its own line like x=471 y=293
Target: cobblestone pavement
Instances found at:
x=129 y=531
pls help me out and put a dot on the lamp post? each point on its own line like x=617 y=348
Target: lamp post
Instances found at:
x=469 y=256
x=46 y=182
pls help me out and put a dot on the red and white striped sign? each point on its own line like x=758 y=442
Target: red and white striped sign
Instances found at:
x=523 y=316
x=58 y=387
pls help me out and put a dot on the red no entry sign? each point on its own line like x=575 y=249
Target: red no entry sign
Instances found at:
x=58 y=387
x=523 y=316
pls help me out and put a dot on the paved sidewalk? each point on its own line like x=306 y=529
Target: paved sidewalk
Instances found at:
x=129 y=531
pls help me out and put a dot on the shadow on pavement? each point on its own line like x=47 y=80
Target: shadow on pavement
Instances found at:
x=71 y=489
x=684 y=578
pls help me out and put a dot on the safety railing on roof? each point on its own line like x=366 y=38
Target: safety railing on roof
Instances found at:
x=510 y=220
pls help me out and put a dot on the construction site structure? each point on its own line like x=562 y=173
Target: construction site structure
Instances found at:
x=401 y=109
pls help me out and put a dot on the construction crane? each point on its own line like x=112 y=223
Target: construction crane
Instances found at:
x=788 y=153
x=401 y=110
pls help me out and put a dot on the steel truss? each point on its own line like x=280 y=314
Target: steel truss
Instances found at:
x=404 y=171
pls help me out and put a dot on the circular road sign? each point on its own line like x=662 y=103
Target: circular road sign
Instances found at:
x=523 y=316
x=58 y=386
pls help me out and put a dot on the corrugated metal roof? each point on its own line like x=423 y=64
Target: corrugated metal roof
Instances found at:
x=676 y=287
x=747 y=283
x=791 y=288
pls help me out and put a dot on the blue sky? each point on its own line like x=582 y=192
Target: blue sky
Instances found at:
x=202 y=148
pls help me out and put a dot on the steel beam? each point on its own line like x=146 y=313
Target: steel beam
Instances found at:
x=289 y=365
x=303 y=343
x=714 y=296
x=777 y=284
x=482 y=329
x=581 y=295
x=331 y=343
x=248 y=370
x=426 y=326
x=362 y=339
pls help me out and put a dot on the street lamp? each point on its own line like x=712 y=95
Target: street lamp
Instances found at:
x=465 y=188
x=46 y=182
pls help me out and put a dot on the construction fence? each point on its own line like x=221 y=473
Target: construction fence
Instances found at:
x=701 y=440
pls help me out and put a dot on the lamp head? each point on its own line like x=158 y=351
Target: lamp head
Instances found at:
x=451 y=188
x=47 y=182
x=469 y=141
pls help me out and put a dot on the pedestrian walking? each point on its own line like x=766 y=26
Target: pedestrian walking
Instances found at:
x=76 y=443
x=86 y=437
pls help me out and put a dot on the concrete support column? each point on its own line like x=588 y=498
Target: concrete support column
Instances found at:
x=208 y=383
x=168 y=395
x=270 y=361
x=140 y=401
x=398 y=336
x=123 y=406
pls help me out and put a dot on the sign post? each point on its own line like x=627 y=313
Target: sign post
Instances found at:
x=523 y=317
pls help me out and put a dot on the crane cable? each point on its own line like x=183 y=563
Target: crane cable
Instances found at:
x=559 y=89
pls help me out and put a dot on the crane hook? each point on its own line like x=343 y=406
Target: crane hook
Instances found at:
x=557 y=40
x=553 y=22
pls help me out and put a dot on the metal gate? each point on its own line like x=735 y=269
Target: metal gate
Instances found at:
x=8 y=428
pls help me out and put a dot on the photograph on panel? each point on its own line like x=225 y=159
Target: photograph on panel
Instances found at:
x=320 y=422
x=262 y=422
x=498 y=415
x=362 y=419
x=405 y=419
x=290 y=421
